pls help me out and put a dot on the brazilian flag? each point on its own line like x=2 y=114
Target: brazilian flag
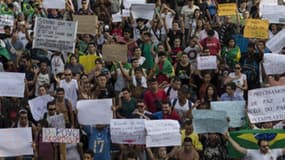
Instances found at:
x=248 y=139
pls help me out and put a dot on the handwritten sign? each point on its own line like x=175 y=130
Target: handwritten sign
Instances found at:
x=256 y=28
x=55 y=4
x=209 y=121
x=117 y=17
x=12 y=84
x=276 y=43
x=162 y=133
x=235 y=111
x=61 y=135
x=128 y=131
x=128 y=3
x=6 y=20
x=38 y=106
x=274 y=64
x=115 y=52
x=16 y=142
x=54 y=34
x=87 y=24
x=92 y=112
x=57 y=121
x=206 y=62
x=266 y=104
x=227 y=9
x=144 y=11
x=273 y=13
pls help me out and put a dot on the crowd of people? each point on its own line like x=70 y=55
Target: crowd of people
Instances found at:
x=159 y=80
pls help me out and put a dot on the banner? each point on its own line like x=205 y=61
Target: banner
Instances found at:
x=16 y=142
x=235 y=111
x=6 y=20
x=126 y=13
x=144 y=11
x=54 y=34
x=117 y=17
x=128 y=3
x=269 y=2
x=248 y=139
x=61 y=135
x=54 y=4
x=87 y=24
x=115 y=52
x=256 y=28
x=274 y=14
x=227 y=9
x=57 y=121
x=276 y=43
x=266 y=104
x=12 y=84
x=162 y=133
x=207 y=62
x=91 y=112
x=209 y=121
x=128 y=131
x=274 y=64
x=38 y=106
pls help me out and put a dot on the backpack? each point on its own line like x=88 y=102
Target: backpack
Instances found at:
x=175 y=101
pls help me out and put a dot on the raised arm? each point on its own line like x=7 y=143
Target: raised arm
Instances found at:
x=235 y=144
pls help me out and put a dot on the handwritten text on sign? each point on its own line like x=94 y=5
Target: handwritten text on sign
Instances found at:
x=127 y=131
x=12 y=84
x=227 y=9
x=207 y=62
x=266 y=104
x=54 y=34
x=60 y=135
x=255 y=28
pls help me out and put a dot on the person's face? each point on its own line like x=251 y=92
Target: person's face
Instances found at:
x=176 y=85
x=210 y=91
x=243 y=5
x=60 y=95
x=190 y=3
x=177 y=42
x=138 y=74
x=229 y=90
x=43 y=67
x=207 y=26
x=187 y=146
x=68 y=75
x=161 y=48
x=166 y=108
x=126 y=35
x=135 y=63
x=23 y=119
x=140 y=107
x=184 y=58
x=237 y=68
x=51 y=110
x=162 y=153
x=181 y=96
x=207 y=78
x=87 y=156
x=102 y=81
x=154 y=86
x=197 y=13
x=231 y=43
x=267 y=125
x=91 y=48
x=146 y=38
x=73 y=60
x=84 y=5
x=264 y=147
x=188 y=129
x=200 y=23
x=162 y=58
x=7 y=31
x=126 y=95
x=42 y=91
x=138 y=52
x=175 y=26
x=261 y=45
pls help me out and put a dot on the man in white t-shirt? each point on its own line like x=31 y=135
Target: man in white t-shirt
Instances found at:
x=263 y=153
x=187 y=12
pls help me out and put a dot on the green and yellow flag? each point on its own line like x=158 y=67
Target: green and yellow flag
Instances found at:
x=248 y=139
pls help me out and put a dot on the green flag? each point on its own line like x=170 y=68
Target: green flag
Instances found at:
x=248 y=139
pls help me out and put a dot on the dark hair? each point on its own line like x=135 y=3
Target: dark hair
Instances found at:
x=147 y=34
x=232 y=85
x=187 y=139
x=166 y=102
x=176 y=79
x=229 y=39
x=50 y=103
x=134 y=59
x=188 y=123
x=126 y=89
x=215 y=95
x=211 y=33
x=90 y=152
x=161 y=54
x=259 y=141
x=60 y=90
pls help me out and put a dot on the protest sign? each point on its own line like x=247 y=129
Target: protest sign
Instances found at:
x=126 y=13
x=128 y=3
x=54 y=4
x=38 y=106
x=16 y=142
x=61 y=135
x=209 y=121
x=117 y=17
x=6 y=20
x=227 y=9
x=92 y=112
x=235 y=111
x=206 y=62
x=276 y=43
x=54 y=34
x=115 y=52
x=248 y=139
x=144 y=11
x=57 y=121
x=269 y=2
x=128 y=131
x=274 y=64
x=266 y=104
x=87 y=24
x=162 y=133
x=12 y=84
x=256 y=28
x=274 y=14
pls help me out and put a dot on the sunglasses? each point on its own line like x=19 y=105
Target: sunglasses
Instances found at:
x=237 y=67
x=52 y=109
x=67 y=74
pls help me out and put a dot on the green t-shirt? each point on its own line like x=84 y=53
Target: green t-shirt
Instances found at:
x=127 y=107
x=149 y=59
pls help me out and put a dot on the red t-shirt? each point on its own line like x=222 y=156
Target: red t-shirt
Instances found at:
x=213 y=44
x=150 y=98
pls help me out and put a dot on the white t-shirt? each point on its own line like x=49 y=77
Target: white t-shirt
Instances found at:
x=172 y=94
x=257 y=155
x=121 y=81
x=238 y=82
x=181 y=109
x=188 y=14
x=203 y=35
x=70 y=90
x=57 y=64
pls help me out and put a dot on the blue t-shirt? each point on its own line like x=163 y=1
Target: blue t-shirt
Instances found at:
x=99 y=142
